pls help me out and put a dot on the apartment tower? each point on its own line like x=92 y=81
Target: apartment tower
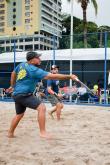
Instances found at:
x=30 y=24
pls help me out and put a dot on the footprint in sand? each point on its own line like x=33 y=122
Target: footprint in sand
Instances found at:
x=2 y=162
x=75 y=161
x=93 y=162
x=58 y=159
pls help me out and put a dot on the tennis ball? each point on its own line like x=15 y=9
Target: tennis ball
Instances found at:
x=95 y=87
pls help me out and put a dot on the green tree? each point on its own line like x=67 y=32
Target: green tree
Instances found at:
x=92 y=35
x=84 y=5
x=101 y=31
x=78 y=33
x=64 y=42
x=66 y=19
x=7 y=1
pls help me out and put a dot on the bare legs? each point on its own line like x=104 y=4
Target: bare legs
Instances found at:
x=52 y=111
x=57 y=109
x=14 y=124
x=41 y=120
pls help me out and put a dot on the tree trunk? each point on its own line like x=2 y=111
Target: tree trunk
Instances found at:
x=101 y=34
x=85 y=28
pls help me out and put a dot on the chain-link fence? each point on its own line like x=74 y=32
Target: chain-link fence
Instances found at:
x=90 y=60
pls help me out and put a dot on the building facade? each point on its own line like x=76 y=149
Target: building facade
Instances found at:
x=30 y=24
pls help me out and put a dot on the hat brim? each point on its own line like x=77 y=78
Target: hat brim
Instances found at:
x=38 y=55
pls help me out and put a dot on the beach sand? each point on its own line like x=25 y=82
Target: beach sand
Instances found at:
x=82 y=137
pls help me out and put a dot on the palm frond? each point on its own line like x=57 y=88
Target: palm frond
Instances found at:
x=95 y=5
x=7 y=1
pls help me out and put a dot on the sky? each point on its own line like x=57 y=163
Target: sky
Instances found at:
x=102 y=18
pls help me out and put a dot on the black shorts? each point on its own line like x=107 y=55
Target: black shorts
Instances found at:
x=26 y=100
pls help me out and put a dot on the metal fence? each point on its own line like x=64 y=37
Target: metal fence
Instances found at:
x=91 y=72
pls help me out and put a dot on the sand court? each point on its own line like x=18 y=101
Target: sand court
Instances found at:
x=82 y=137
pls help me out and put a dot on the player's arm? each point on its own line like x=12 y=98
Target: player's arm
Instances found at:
x=50 y=91
x=49 y=87
x=13 y=79
x=60 y=76
x=12 y=82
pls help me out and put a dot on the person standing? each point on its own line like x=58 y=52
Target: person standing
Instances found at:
x=54 y=95
x=24 y=79
x=109 y=77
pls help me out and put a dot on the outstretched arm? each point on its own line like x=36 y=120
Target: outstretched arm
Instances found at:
x=60 y=77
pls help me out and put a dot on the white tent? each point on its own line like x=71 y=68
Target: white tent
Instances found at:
x=64 y=54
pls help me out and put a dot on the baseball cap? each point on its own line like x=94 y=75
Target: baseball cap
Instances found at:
x=31 y=55
x=54 y=66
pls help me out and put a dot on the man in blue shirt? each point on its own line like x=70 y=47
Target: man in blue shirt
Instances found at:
x=55 y=100
x=23 y=82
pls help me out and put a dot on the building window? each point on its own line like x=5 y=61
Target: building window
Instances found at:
x=27 y=7
x=20 y=40
x=1 y=1
x=2 y=42
x=2 y=11
x=35 y=39
x=14 y=3
x=45 y=48
x=1 y=30
x=27 y=1
x=29 y=47
x=2 y=6
x=7 y=48
x=36 y=32
x=36 y=47
x=41 y=47
x=21 y=47
x=14 y=22
x=14 y=10
x=2 y=24
x=2 y=18
x=27 y=14
x=7 y=41
x=28 y=39
x=27 y=20
x=55 y=1
x=14 y=16
x=14 y=28
x=42 y=39
x=12 y=41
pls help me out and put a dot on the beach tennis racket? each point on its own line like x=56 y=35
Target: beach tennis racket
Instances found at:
x=88 y=89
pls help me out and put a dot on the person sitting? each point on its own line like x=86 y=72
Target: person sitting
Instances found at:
x=83 y=94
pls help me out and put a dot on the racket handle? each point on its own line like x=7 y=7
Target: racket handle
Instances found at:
x=76 y=79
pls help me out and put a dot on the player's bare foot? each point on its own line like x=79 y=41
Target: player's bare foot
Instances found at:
x=45 y=135
x=51 y=115
x=10 y=135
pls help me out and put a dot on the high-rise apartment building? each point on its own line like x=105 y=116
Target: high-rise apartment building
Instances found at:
x=31 y=24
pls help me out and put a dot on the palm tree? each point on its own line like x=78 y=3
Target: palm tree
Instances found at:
x=102 y=30
x=84 y=5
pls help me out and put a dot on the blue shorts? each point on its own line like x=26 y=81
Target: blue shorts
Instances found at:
x=26 y=100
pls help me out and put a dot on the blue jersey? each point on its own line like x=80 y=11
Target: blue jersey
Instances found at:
x=27 y=78
x=54 y=84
